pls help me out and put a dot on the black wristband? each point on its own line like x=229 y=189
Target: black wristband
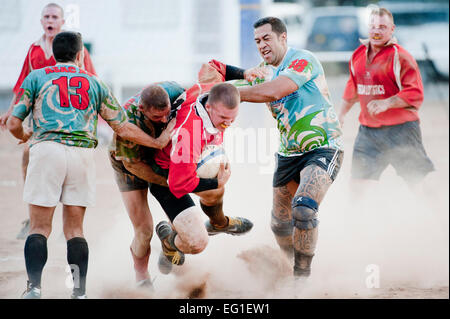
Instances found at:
x=206 y=184
x=233 y=73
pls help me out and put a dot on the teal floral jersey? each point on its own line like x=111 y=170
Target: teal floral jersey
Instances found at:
x=305 y=118
x=65 y=102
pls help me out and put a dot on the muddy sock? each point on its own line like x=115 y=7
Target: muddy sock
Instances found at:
x=302 y=264
x=215 y=214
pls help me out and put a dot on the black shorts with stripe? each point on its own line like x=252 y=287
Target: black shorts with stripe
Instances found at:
x=288 y=168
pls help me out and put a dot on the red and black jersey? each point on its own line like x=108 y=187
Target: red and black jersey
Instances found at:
x=193 y=131
x=37 y=58
x=393 y=71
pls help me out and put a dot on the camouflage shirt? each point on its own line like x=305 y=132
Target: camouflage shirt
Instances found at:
x=124 y=150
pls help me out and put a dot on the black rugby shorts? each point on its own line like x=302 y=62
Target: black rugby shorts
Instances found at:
x=288 y=168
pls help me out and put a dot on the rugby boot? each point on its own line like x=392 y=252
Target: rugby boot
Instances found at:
x=168 y=257
x=31 y=292
x=236 y=226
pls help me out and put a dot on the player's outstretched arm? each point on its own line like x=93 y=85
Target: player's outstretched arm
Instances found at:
x=145 y=172
x=268 y=91
x=134 y=134
x=346 y=105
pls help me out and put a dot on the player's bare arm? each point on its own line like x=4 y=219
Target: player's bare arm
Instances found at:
x=134 y=134
x=166 y=134
x=268 y=91
x=345 y=108
x=145 y=172
x=14 y=125
x=378 y=106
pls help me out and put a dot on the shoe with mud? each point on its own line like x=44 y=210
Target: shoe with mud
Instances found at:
x=168 y=257
x=164 y=265
x=23 y=233
x=31 y=292
x=236 y=226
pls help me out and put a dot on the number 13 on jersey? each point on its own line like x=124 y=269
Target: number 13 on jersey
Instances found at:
x=79 y=100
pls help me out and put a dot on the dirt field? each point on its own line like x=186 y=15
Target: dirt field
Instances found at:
x=391 y=243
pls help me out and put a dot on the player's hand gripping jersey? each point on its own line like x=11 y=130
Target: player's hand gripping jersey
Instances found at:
x=306 y=118
x=65 y=101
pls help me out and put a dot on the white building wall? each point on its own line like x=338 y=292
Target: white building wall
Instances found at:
x=134 y=42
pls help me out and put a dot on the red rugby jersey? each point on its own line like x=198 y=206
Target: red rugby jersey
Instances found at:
x=37 y=59
x=393 y=71
x=193 y=131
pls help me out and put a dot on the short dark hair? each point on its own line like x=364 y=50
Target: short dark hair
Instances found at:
x=278 y=26
x=154 y=96
x=66 y=45
x=225 y=93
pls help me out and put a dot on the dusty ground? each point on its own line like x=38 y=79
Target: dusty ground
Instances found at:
x=390 y=243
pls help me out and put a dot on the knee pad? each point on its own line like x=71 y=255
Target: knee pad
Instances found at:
x=304 y=213
x=280 y=227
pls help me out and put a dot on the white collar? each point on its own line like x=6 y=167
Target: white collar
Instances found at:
x=207 y=124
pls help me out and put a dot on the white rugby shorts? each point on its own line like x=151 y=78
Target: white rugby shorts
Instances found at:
x=60 y=173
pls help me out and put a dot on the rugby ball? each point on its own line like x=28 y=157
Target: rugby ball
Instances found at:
x=209 y=163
